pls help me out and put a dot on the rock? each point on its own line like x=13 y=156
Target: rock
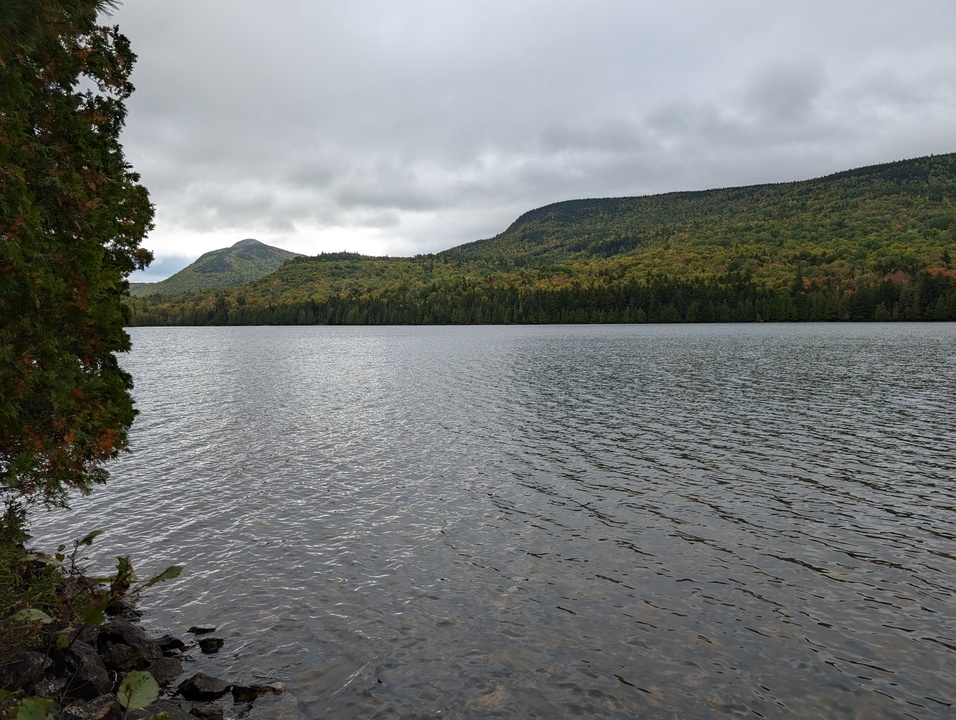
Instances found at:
x=89 y=634
x=121 y=607
x=165 y=670
x=491 y=701
x=273 y=707
x=171 y=645
x=123 y=658
x=203 y=687
x=207 y=711
x=248 y=693
x=163 y=709
x=100 y=708
x=50 y=688
x=243 y=693
x=202 y=629
x=210 y=645
x=25 y=672
x=123 y=632
x=88 y=677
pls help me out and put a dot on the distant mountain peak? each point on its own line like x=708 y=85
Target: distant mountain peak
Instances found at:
x=243 y=262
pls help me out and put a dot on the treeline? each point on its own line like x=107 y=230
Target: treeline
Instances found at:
x=732 y=297
x=875 y=243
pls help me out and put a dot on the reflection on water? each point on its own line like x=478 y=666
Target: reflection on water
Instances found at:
x=689 y=521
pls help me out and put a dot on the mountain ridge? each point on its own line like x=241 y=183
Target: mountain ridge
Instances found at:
x=660 y=213
x=869 y=243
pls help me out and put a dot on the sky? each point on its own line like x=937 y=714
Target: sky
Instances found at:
x=400 y=128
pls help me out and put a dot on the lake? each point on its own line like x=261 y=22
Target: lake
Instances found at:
x=700 y=521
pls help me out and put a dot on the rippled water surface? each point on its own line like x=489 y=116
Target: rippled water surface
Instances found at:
x=558 y=521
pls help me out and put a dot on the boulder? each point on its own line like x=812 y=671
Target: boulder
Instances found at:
x=171 y=645
x=161 y=709
x=123 y=658
x=207 y=711
x=25 y=672
x=165 y=670
x=104 y=706
x=87 y=676
x=203 y=687
x=51 y=688
x=123 y=632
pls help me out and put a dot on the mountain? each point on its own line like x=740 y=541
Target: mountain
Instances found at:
x=873 y=243
x=869 y=208
x=244 y=262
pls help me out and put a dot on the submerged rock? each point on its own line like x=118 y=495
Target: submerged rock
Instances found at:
x=202 y=629
x=203 y=687
x=207 y=711
x=210 y=645
x=248 y=693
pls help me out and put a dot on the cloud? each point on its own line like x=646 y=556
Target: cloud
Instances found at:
x=786 y=95
x=399 y=128
x=162 y=267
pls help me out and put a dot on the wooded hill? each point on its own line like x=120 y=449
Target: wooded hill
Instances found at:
x=244 y=262
x=875 y=243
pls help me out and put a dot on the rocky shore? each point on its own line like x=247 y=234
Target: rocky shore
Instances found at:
x=83 y=679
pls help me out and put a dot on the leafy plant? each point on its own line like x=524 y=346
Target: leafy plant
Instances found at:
x=138 y=690
x=34 y=708
x=56 y=616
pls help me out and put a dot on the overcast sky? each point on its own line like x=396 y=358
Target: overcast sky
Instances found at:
x=397 y=128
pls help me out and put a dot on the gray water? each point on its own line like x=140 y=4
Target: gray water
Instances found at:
x=554 y=521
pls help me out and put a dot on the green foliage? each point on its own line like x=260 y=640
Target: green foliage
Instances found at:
x=244 y=262
x=138 y=690
x=34 y=708
x=31 y=590
x=869 y=244
x=72 y=216
x=45 y=602
x=48 y=603
x=170 y=573
x=32 y=615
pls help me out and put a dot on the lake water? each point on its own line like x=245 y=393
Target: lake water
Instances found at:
x=551 y=521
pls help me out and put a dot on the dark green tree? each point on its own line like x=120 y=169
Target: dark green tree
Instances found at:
x=72 y=217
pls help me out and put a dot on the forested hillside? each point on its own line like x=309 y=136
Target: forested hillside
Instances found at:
x=244 y=262
x=876 y=243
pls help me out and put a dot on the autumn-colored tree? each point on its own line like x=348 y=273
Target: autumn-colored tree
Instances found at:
x=72 y=217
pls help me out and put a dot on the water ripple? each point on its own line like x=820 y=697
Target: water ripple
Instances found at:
x=552 y=522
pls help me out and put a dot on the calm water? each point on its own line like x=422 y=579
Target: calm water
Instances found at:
x=584 y=521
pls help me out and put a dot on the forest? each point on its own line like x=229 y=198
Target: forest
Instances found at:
x=870 y=244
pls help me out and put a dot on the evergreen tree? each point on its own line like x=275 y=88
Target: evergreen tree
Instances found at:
x=72 y=217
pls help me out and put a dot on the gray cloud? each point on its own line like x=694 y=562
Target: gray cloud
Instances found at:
x=163 y=266
x=786 y=95
x=410 y=127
